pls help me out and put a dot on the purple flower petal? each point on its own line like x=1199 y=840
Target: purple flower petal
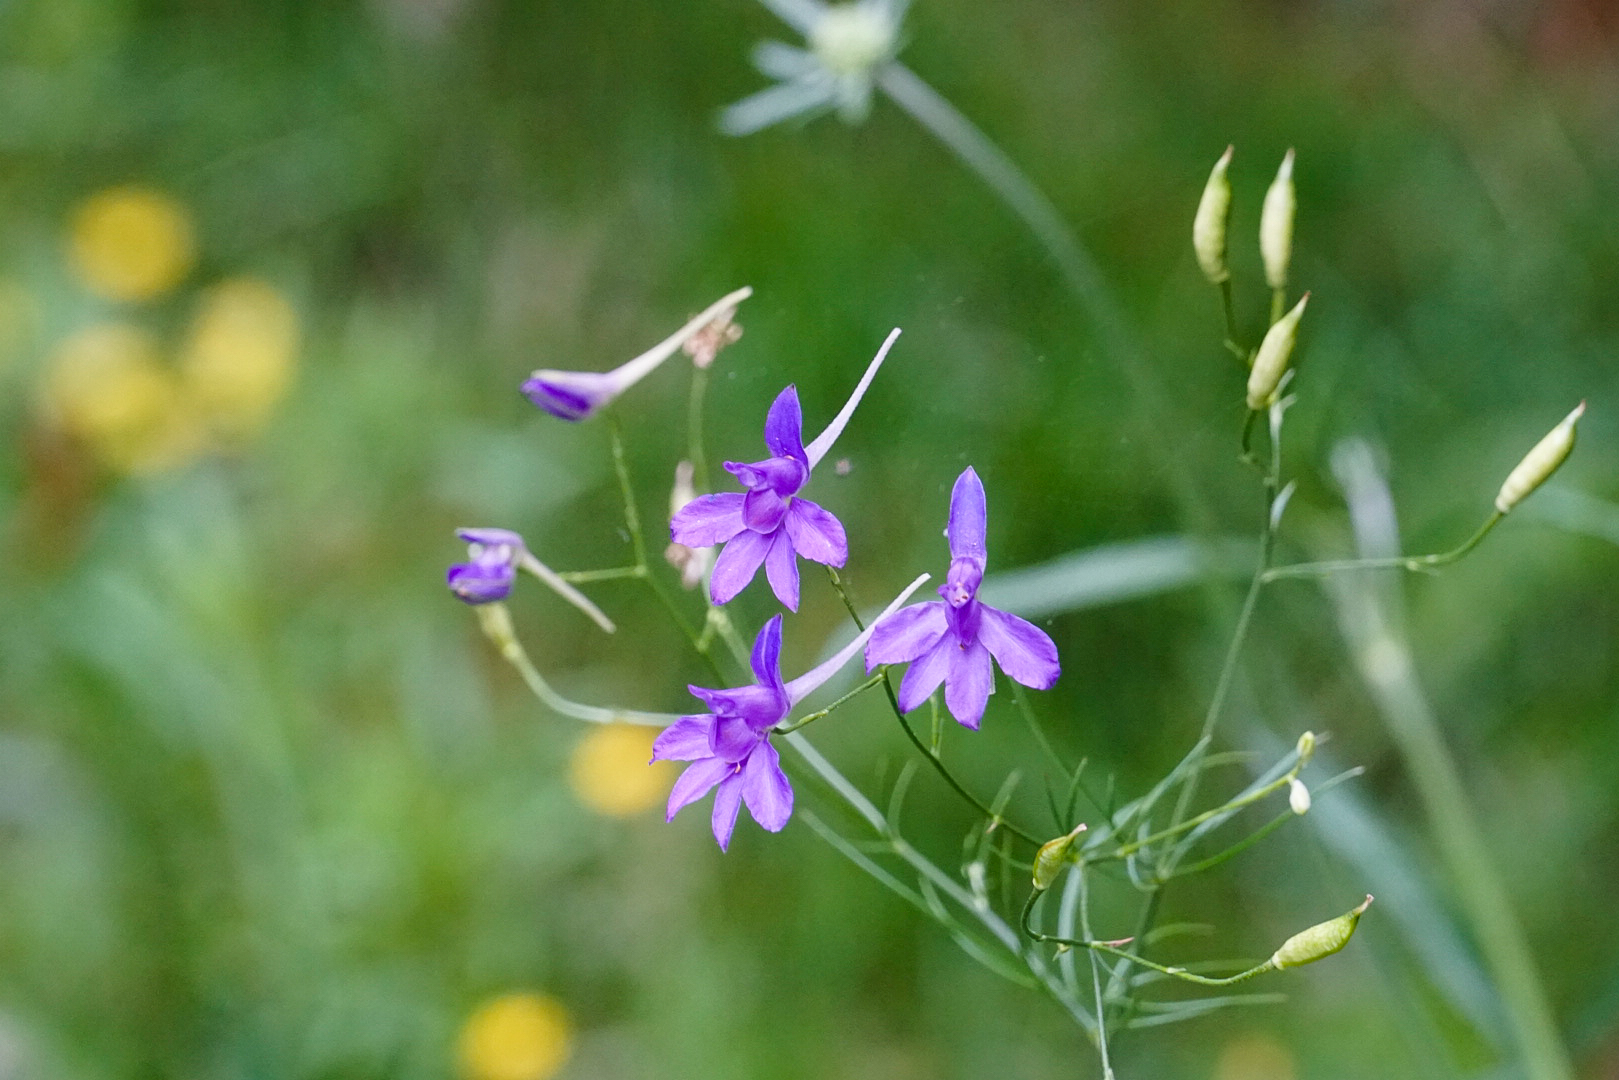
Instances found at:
x=708 y=520
x=698 y=780
x=783 y=475
x=737 y=564
x=481 y=582
x=491 y=537
x=570 y=395
x=781 y=567
x=816 y=534
x=906 y=635
x=1023 y=650
x=761 y=706
x=732 y=738
x=763 y=509
x=727 y=801
x=765 y=788
x=968 y=685
x=924 y=676
x=766 y=656
x=784 y=427
x=687 y=739
x=968 y=518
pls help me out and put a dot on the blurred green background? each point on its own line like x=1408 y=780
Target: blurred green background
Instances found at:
x=270 y=275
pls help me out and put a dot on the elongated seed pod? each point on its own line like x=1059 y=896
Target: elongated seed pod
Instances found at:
x=1320 y=941
x=1538 y=465
x=1276 y=225
x=1052 y=857
x=1274 y=356
x=1209 y=226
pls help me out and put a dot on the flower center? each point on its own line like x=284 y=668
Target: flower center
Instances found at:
x=851 y=39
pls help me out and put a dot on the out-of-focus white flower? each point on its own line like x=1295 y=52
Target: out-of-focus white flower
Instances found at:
x=848 y=44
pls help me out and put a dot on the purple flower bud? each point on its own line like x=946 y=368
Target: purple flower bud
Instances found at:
x=491 y=566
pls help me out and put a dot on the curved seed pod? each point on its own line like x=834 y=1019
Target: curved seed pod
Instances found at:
x=1274 y=356
x=1320 y=941
x=1209 y=226
x=1276 y=225
x=1539 y=464
x=1052 y=857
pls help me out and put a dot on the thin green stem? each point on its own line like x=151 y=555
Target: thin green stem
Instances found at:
x=1233 y=340
x=694 y=427
x=805 y=721
x=1411 y=563
x=935 y=760
x=1111 y=948
x=1235 y=849
x=1124 y=851
x=1278 y=305
x=614 y=573
x=1096 y=974
x=632 y=517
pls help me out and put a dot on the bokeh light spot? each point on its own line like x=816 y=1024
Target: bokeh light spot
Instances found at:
x=516 y=1037
x=1255 y=1056
x=610 y=774
x=131 y=243
x=240 y=355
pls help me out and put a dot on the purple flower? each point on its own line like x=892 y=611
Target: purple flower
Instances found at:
x=491 y=566
x=576 y=395
x=493 y=558
x=951 y=641
x=771 y=524
x=729 y=748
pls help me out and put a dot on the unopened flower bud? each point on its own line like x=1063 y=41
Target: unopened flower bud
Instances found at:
x=1538 y=465
x=1276 y=225
x=1298 y=796
x=1306 y=747
x=1052 y=857
x=1274 y=356
x=1209 y=226
x=1320 y=941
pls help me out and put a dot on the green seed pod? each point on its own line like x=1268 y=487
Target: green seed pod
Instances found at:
x=1538 y=465
x=1274 y=356
x=1276 y=225
x=1306 y=747
x=1320 y=941
x=1052 y=857
x=1209 y=226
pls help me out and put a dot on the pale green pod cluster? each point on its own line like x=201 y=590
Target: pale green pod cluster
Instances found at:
x=1538 y=465
x=1052 y=857
x=1274 y=356
x=1209 y=225
x=1319 y=941
x=1276 y=225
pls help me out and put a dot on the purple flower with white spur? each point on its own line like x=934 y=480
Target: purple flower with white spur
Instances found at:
x=729 y=748
x=493 y=558
x=577 y=395
x=951 y=640
x=771 y=524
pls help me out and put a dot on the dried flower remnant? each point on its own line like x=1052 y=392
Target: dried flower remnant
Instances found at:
x=952 y=640
x=493 y=558
x=578 y=395
x=772 y=525
x=693 y=563
x=705 y=345
x=729 y=748
x=848 y=44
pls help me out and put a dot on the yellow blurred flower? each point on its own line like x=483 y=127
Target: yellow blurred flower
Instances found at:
x=1255 y=1056
x=239 y=356
x=131 y=243
x=105 y=386
x=610 y=774
x=516 y=1037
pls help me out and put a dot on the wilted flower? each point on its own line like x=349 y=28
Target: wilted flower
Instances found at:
x=729 y=748
x=577 y=395
x=692 y=563
x=771 y=524
x=493 y=558
x=951 y=641
x=848 y=43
